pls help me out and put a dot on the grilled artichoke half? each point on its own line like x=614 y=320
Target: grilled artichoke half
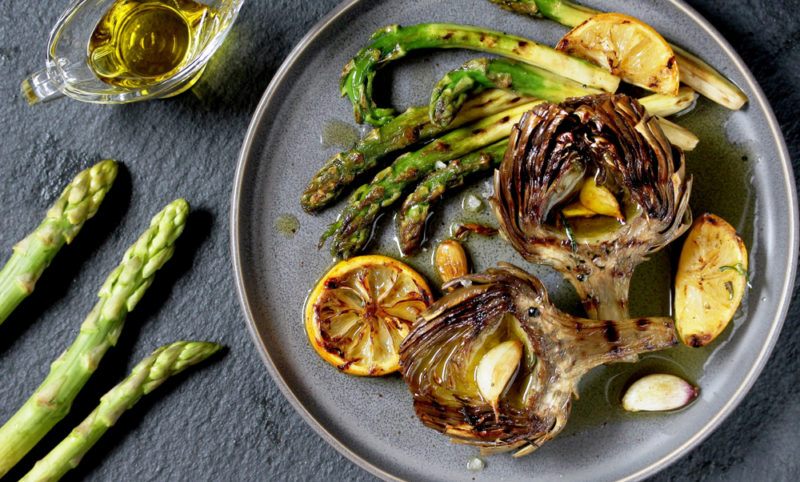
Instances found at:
x=441 y=357
x=551 y=152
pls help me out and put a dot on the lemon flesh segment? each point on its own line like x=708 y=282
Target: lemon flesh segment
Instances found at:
x=711 y=280
x=628 y=48
x=361 y=310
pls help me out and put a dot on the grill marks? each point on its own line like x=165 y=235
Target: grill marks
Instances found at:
x=611 y=332
x=438 y=358
x=608 y=134
x=551 y=150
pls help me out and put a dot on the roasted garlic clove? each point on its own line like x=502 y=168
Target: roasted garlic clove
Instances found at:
x=559 y=150
x=450 y=260
x=658 y=393
x=600 y=200
x=494 y=363
x=496 y=369
x=577 y=210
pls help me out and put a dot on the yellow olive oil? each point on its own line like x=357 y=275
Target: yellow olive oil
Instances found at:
x=139 y=43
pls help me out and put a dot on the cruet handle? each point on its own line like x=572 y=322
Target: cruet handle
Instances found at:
x=43 y=85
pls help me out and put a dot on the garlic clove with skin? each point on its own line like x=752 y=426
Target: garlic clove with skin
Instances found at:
x=450 y=260
x=658 y=393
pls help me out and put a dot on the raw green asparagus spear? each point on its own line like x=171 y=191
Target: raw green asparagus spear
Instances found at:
x=120 y=293
x=416 y=208
x=411 y=126
x=148 y=375
x=63 y=221
x=474 y=76
x=694 y=72
x=521 y=79
x=394 y=42
x=352 y=229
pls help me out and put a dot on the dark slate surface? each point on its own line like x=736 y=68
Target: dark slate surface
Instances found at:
x=228 y=419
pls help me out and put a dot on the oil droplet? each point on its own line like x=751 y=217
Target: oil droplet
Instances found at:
x=287 y=225
x=336 y=133
x=475 y=464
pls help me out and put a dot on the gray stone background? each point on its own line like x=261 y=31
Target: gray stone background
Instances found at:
x=227 y=420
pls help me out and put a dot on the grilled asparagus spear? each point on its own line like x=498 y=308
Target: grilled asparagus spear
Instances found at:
x=145 y=377
x=120 y=293
x=416 y=208
x=665 y=105
x=694 y=72
x=352 y=229
x=478 y=74
x=411 y=126
x=475 y=75
x=78 y=203
x=394 y=42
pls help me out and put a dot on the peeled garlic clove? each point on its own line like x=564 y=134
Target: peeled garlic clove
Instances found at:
x=496 y=369
x=600 y=200
x=657 y=393
x=450 y=260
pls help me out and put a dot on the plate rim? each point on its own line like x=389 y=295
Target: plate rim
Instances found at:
x=749 y=379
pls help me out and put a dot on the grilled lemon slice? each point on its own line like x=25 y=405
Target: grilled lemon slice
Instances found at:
x=628 y=48
x=711 y=279
x=359 y=312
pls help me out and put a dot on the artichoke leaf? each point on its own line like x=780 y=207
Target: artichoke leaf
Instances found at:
x=613 y=139
x=476 y=330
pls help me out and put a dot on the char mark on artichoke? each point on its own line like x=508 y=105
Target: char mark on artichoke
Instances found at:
x=440 y=356
x=552 y=151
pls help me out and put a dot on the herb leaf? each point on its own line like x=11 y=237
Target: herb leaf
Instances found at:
x=570 y=235
x=736 y=267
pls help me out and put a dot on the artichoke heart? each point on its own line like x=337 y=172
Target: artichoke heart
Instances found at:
x=494 y=364
x=610 y=141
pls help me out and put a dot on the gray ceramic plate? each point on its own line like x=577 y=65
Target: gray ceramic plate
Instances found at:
x=741 y=172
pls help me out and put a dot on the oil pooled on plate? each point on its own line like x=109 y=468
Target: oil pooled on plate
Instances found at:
x=724 y=191
x=287 y=225
x=339 y=134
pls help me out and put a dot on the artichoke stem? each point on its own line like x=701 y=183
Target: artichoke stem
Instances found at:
x=604 y=293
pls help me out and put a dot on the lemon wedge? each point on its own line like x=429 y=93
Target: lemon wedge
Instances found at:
x=711 y=280
x=628 y=48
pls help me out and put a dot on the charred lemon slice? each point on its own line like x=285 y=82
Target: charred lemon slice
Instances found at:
x=711 y=278
x=359 y=312
x=627 y=47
